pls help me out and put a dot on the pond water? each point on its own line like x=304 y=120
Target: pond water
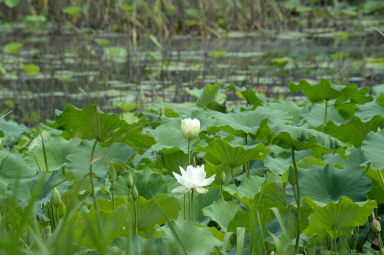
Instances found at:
x=45 y=70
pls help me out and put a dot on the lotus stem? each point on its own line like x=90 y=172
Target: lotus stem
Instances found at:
x=192 y=207
x=325 y=112
x=246 y=164
x=184 y=205
x=91 y=175
x=136 y=218
x=113 y=196
x=297 y=198
x=189 y=152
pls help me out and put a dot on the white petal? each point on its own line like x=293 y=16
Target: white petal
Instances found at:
x=180 y=189
x=201 y=190
x=182 y=171
x=208 y=181
x=179 y=178
x=189 y=175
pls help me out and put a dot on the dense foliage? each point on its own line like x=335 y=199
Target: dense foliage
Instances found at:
x=302 y=176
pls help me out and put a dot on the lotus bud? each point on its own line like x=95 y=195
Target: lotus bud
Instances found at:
x=130 y=181
x=190 y=128
x=135 y=193
x=292 y=177
x=376 y=226
x=223 y=178
x=55 y=197
x=112 y=174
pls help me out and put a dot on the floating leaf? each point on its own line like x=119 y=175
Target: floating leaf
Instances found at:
x=12 y=47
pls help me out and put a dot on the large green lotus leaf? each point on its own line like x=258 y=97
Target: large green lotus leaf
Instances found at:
x=221 y=152
x=327 y=184
x=57 y=150
x=353 y=94
x=355 y=158
x=240 y=123
x=209 y=95
x=172 y=160
x=271 y=194
x=339 y=217
x=316 y=93
x=248 y=188
x=373 y=147
x=369 y=110
x=222 y=212
x=12 y=131
x=78 y=160
x=156 y=211
x=107 y=128
x=293 y=110
x=314 y=115
x=278 y=164
x=13 y=165
x=168 y=136
x=299 y=138
x=113 y=224
x=355 y=131
x=26 y=187
x=195 y=239
x=377 y=187
x=249 y=95
x=148 y=183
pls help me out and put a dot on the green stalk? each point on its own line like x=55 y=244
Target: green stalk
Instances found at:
x=136 y=217
x=357 y=237
x=184 y=205
x=44 y=153
x=325 y=112
x=246 y=164
x=297 y=197
x=113 y=196
x=91 y=175
x=189 y=152
x=189 y=206
x=192 y=211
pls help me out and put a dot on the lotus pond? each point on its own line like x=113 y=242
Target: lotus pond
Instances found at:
x=263 y=176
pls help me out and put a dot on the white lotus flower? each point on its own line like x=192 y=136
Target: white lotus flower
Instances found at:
x=190 y=128
x=192 y=179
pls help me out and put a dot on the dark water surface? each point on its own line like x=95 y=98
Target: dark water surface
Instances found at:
x=107 y=69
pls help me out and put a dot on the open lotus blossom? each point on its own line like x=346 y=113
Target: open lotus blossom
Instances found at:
x=192 y=179
x=190 y=128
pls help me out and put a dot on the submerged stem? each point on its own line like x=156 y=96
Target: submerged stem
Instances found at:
x=297 y=197
x=91 y=175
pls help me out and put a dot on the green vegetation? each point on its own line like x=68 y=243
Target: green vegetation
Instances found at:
x=283 y=177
